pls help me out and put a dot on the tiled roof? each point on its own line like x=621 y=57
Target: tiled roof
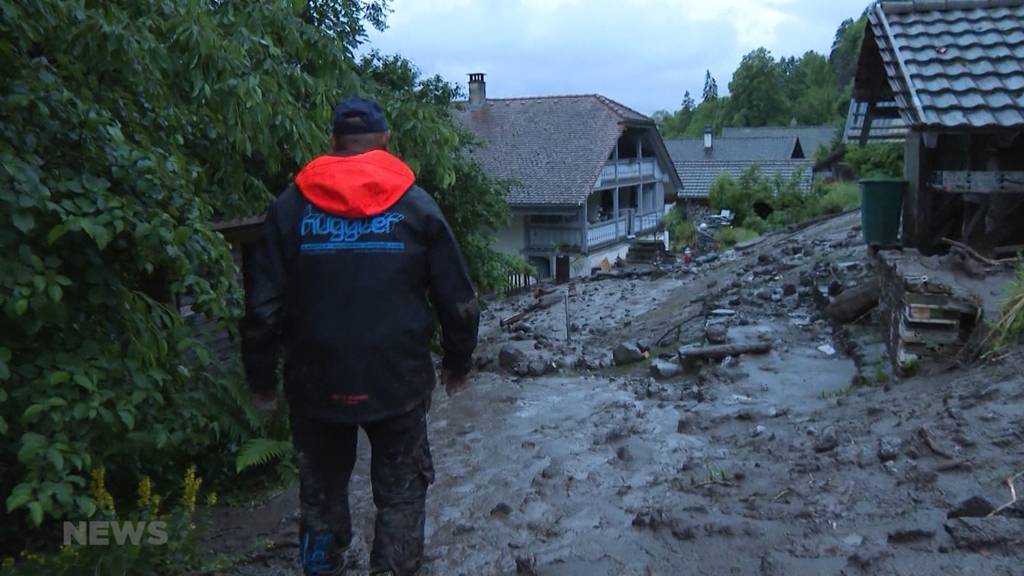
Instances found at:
x=552 y=147
x=698 y=176
x=954 y=63
x=735 y=148
x=811 y=137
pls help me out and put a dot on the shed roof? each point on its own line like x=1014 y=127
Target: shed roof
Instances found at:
x=552 y=147
x=952 y=64
x=698 y=176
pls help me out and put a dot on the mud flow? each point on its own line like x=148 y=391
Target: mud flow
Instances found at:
x=611 y=453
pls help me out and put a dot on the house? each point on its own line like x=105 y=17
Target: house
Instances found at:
x=701 y=161
x=949 y=78
x=588 y=175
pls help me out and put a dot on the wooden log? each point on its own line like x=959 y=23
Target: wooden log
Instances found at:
x=854 y=303
x=687 y=354
x=544 y=302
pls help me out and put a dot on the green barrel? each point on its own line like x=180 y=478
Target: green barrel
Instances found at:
x=881 y=205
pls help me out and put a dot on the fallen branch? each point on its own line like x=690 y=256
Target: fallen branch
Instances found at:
x=678 y=327
x=1013 y=494
x=926 y=437
x=707 y=483
x=546 y=301
x=974 y=254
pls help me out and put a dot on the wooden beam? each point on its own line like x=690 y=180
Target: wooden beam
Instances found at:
x=977 y=182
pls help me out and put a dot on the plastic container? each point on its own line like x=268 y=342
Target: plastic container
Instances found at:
x=881 y=203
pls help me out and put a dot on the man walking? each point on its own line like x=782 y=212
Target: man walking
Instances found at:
x=351 y=258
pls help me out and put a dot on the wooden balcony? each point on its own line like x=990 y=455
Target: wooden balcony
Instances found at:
x=629 y=223
x=627 y=172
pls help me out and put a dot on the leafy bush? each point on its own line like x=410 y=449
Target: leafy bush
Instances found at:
x=1010 y=326
x=729 y=237
x=839 y=197
x=127 y=127
x=873 y=160
x=681 y=231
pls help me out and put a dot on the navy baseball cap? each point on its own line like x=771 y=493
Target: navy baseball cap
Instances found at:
x=357 y=115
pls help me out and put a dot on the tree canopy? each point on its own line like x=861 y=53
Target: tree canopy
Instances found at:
x=768 y=91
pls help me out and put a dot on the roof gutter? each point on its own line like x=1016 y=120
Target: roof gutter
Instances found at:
x=918 y=108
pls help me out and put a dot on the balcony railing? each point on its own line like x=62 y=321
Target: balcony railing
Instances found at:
x=628 y=170
x=629 y=223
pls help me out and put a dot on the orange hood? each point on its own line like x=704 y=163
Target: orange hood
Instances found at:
x=355 y=186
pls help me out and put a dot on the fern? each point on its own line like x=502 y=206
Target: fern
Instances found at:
x=260 y=451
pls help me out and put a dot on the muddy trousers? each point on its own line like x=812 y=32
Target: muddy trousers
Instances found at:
x=400 y=471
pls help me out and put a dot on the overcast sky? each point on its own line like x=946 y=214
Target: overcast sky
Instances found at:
x=643 y=53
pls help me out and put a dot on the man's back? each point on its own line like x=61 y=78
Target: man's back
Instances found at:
x=356 y=251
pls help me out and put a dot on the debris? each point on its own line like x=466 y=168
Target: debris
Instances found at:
x=908 y=535
x=827 y=349
x=663 y=369
x=627 y=353
x=828 y=440
x=973 y=507
x=678 y=327
x=1013 y=494
x=853 y=303
x=717 y=333
x=689 y=353
x=511 y=357
x=926 y=436
x=889 y=448
x=540 y=303
x=985 y=534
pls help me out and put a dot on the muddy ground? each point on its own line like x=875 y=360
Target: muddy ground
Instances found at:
x=810 y=460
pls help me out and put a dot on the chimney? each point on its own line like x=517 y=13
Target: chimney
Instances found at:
x=477 y=90
x=708 y=139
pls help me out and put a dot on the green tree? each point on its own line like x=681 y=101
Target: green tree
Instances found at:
x=817 y=101
x=710 y=88
x=846 y=51
x=713 y=113
x=756 y=93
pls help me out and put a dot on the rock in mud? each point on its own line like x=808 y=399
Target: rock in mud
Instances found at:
x=985 y=534
x=627 y=353
x=889 y=448
x=828 y=440
x=510 y=357
x=540 y=367
x=909 y=535
x=501 y=509
x=664 y=369
x=868 y=559
x=717 y=333
x=973 y=507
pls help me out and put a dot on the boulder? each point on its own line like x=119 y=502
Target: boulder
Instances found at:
x=511 y=357
x=889 y=448
x=627 y=353
x=717 y=333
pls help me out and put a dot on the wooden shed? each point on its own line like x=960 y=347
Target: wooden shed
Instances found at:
x=947 y=78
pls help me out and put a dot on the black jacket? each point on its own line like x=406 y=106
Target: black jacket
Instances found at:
x=342 y=280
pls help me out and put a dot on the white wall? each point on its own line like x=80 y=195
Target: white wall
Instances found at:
x=510 y=240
